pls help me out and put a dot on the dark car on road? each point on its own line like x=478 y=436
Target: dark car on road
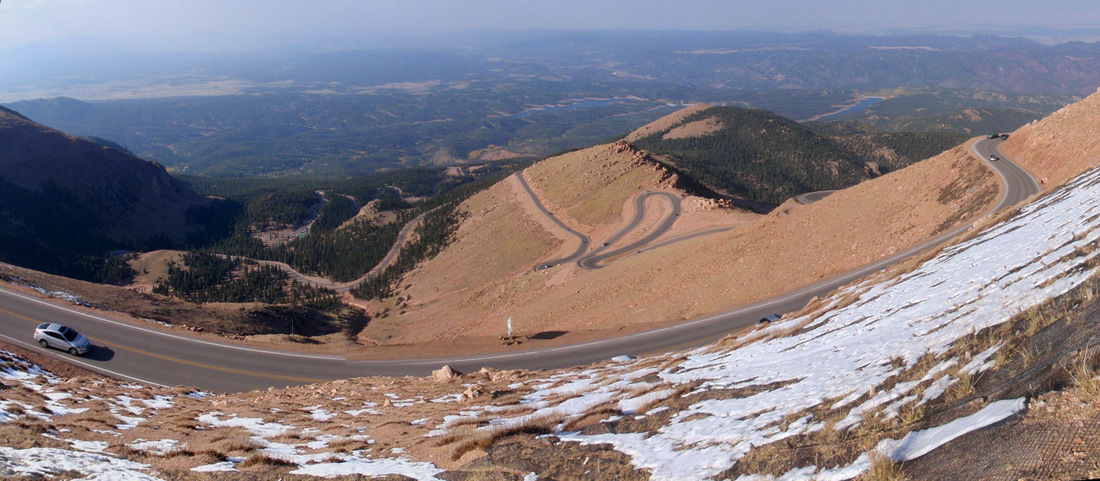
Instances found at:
x=770 y=318
x=50 y=334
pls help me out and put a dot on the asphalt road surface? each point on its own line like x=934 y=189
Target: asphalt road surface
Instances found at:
x=592 y=260
x=811 y=197
x=1018 y=183
x=584 y=241
x=141 y=354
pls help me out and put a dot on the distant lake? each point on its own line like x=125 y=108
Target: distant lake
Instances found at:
x=574 y=105
x=859 y=107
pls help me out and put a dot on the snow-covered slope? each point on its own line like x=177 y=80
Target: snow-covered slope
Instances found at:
x=27 y=391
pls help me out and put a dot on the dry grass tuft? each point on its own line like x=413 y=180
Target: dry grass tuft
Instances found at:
x=884 y=469
x=592 y=416
x=912 y=413
x=764 y=460
x=14 y=436
x=874 y=424
x=962 y=387
x=265 y=461
x=467 y=440
x=1083 y=372
x=229 y=440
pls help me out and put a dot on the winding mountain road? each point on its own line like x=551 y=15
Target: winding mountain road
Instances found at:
x=402 y=238
x=137 y=353
x=1018 y=183
x=593 y=259
x=584 y=241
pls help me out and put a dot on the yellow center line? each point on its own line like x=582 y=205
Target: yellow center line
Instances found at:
x=180 y=361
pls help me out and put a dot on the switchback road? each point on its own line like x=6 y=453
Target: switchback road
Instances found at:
x=138 y=353
x=584 y=241
x=591 y=260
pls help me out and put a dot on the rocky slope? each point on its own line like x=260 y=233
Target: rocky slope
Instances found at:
x=1060 y=146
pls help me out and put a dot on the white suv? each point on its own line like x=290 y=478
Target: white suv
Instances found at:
x=50 y=334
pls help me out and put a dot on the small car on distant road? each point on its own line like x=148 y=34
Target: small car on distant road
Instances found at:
x=993 y=135
x=994 y=157
x=770 y=318
x=52 y=334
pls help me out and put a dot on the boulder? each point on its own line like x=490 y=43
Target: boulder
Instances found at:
x=471 y=393
x=445 y=374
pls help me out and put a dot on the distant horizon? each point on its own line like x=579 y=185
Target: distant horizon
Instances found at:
x=231 y=44
x=92 y=69
x=86 y=46
x=212 y=26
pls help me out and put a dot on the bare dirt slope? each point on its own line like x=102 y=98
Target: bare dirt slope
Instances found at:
x=664 y=123
x=488 y=271
x=1060 y=146
x=485 y=277
x=588 y=188
x=697 y=128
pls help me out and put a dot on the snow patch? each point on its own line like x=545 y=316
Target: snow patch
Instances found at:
x=919 y=443
x=372 y=467
x=48 y=462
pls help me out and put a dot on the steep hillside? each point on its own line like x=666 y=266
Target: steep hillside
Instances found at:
x=64 y=197
x=591 y=187
x=465 y=293
x=486 y=276
x=1060 y=146
x=761 y=156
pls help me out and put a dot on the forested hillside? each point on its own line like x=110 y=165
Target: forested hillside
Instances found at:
x=340 y=245
x=760 y=156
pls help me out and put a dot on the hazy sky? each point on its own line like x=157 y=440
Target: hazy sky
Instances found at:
x=249 y=24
